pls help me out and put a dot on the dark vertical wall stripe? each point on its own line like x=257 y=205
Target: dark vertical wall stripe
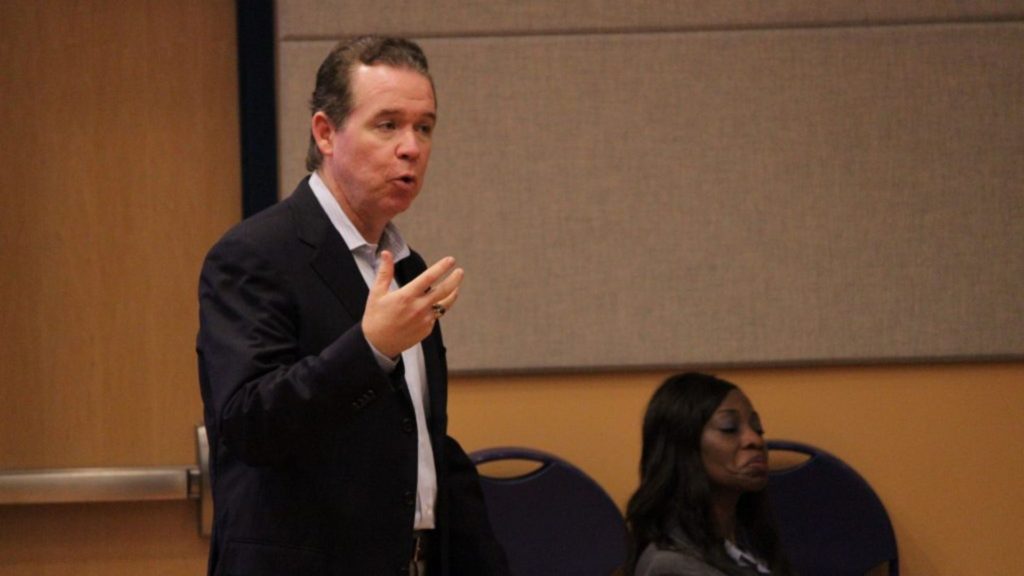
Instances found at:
x=257 y=106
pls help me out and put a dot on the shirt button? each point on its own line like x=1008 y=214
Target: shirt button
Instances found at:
x=408 y=426
x=410 y=498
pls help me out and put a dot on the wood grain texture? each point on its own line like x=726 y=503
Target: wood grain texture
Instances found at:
x=120 y=167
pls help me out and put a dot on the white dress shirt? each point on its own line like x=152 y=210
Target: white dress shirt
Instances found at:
x=367 y=257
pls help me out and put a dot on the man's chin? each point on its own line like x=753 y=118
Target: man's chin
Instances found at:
x=397 y=205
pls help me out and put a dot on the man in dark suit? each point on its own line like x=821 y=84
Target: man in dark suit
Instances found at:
x=321 y=362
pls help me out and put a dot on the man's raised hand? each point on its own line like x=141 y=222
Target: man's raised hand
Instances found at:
x=396 y=321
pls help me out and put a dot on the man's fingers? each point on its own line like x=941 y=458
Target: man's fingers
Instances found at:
x=445 y=287
x=449 y=302
x=385 y=273
x=423 y=283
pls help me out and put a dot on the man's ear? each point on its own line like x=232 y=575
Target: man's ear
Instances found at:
x=323 y=132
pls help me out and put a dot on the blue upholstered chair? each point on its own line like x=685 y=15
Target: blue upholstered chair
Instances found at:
x=830 y=521
x=553 y=520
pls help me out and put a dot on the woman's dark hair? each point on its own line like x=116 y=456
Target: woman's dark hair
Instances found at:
x=333 y=92
x=675 y=492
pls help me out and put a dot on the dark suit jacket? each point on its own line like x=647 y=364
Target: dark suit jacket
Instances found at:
x=313 y=446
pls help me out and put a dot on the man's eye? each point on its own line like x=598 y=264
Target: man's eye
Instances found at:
x=426 y=129
x=727 y=430
x=386 y=125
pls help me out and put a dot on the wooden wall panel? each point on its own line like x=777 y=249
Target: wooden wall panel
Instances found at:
x=120 y=170
x=120 y=167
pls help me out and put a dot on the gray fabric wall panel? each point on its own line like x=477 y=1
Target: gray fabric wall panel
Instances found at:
x=720 y=198
x=319 y=19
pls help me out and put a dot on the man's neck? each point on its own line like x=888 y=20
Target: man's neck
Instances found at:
x=369 y=230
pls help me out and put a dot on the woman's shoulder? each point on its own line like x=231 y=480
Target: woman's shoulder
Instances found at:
x=681 y=561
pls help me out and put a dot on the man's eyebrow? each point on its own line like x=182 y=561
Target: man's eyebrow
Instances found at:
x=389 y=112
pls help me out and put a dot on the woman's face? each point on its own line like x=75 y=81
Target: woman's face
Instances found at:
x=732 y=447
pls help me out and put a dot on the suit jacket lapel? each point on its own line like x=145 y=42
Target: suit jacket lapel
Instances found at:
x=433 y=349
x=333 y=261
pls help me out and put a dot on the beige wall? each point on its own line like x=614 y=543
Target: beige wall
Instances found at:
x=940 y=444
x=727 y=183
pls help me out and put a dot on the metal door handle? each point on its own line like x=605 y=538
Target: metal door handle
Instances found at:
x=62 y=485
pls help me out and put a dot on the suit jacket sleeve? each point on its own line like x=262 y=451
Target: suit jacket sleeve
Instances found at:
x=271 y=394
x=474 y=550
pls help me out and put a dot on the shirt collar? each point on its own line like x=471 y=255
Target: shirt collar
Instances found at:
x=744 y=558
x=390 y=240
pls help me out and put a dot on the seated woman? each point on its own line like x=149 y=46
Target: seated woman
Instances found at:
x=701 y=509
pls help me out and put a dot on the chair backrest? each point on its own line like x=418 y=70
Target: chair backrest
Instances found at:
x=830 y=520
x=554 y=520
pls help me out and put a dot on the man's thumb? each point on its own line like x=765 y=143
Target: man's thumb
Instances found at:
x=385 y=273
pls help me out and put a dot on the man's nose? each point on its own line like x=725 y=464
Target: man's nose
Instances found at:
x=409 y=146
